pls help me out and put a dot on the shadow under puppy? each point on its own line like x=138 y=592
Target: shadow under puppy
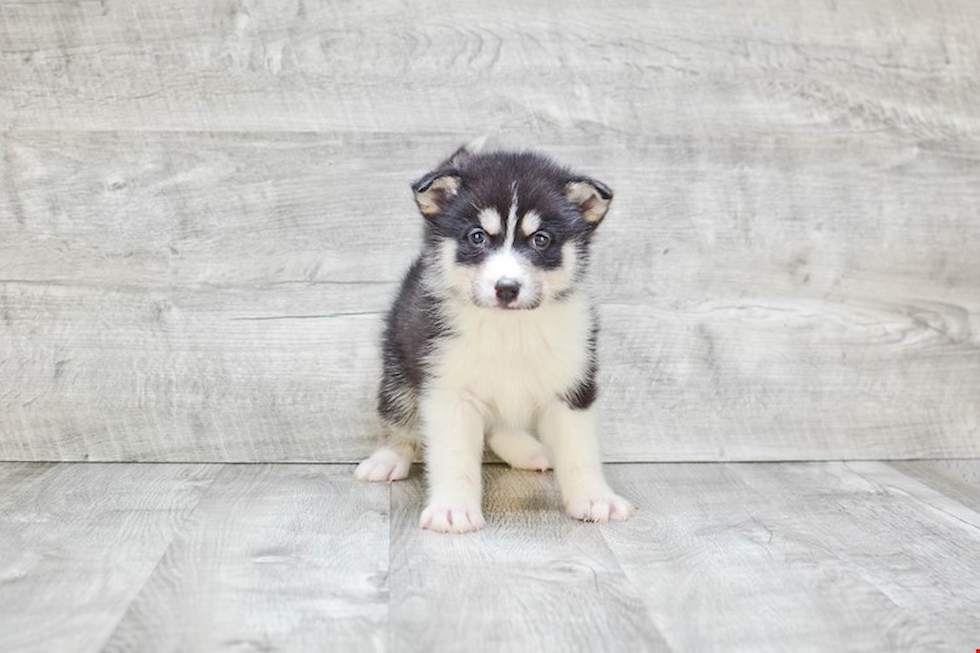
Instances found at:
x=493 y=335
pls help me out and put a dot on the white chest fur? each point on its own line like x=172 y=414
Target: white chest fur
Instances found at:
x=513 y=362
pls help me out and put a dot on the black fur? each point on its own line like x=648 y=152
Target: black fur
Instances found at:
x=413 y=325
x=416 y=322
x=486 y=181
x=585 y=392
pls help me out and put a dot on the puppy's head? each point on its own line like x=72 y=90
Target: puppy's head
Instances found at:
x=510 y=230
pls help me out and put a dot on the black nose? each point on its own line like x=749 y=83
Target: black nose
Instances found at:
x=507 y=289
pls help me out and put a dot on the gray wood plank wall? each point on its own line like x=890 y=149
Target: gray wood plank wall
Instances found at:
x=204 y=211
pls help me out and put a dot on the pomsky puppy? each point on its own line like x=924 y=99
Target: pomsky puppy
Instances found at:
x=493 y=336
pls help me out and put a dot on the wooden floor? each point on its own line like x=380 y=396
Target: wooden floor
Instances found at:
x=720 y=557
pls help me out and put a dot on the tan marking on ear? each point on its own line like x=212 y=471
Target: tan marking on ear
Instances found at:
x=431 y=200
x=531 y=222
x=490 y=221
x=589 y=200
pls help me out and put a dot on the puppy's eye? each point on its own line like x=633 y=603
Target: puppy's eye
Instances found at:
x=540 y=241
x=477 y=236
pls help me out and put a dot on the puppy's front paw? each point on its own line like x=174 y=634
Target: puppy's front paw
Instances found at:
x=599 y=507
x=452 y=517
x=384 y=465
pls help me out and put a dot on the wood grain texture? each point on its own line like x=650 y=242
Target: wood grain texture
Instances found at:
x=959 y=479
x=831 y=556
x=533 y=579
x=664 y=67
x=288 y=558
x=239 y=324
x=856 y=556
x=77 y=542
x=204 y=211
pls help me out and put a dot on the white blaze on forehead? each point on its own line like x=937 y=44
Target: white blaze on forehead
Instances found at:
x=490 y=221
x=531 y=222
x=511 y=216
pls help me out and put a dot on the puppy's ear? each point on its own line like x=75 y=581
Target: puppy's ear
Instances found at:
x=435 y=190
x=465 y=152
x=591 y=196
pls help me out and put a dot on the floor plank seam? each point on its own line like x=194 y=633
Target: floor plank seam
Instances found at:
x=973 y=525
x=178 y=529
x=387 y=577
x=632 y=585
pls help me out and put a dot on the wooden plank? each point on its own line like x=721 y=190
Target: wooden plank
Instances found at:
x=218 y=297
x=758 y=557
x=797 y=557
x=187 y=375
x=957 y=479
x=533 y=579
x=233 y=210
x=919 y=548
x=718 y=572
x=78 y=541
x=209 y=210
x=671 y=67
x=180 y=377
x=289 y=557
x=893 y=480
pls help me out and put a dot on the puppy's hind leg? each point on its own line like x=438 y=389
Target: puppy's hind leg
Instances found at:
x=519 y=449
x=571 y=434
x=393 y=461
